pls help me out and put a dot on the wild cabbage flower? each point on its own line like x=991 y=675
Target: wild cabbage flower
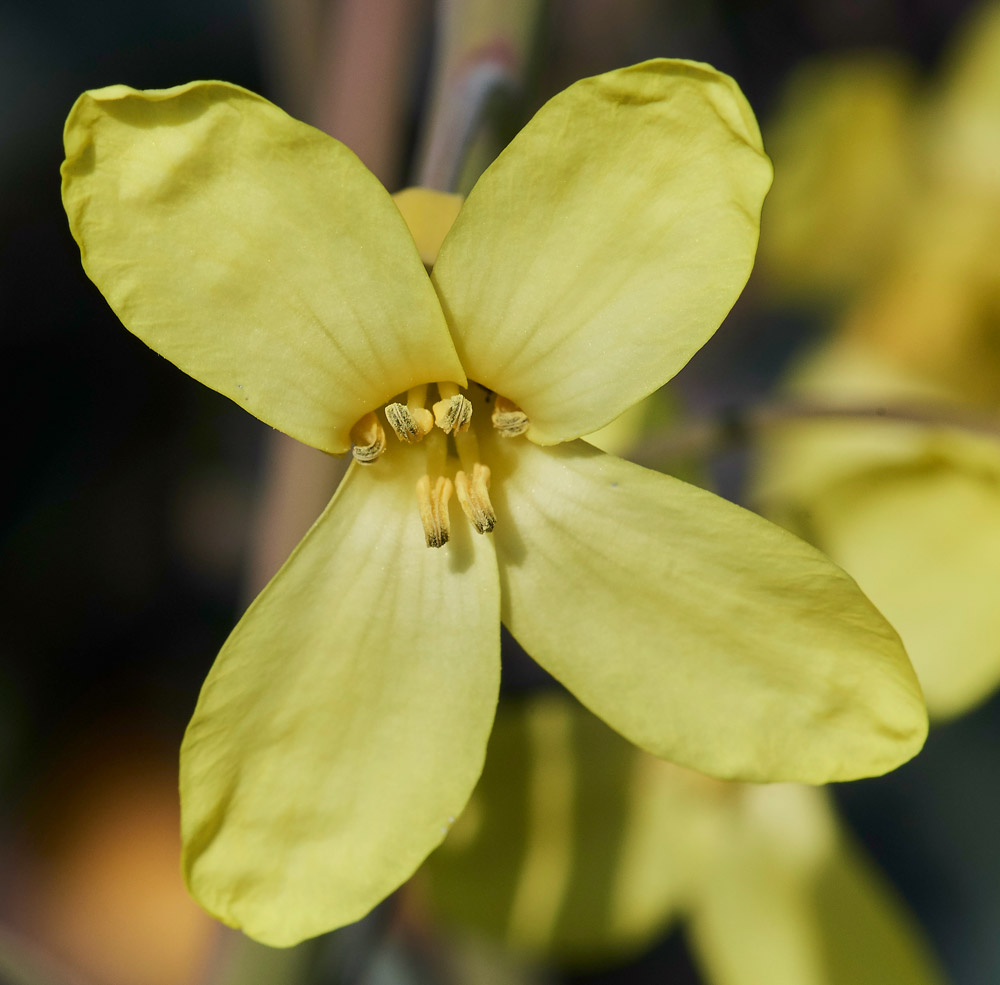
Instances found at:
x=910 y=509
x=345 y=721
x=888 y=202
x=581 y=849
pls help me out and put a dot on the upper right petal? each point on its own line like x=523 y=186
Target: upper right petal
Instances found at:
x=606 y=244
x=255 y=252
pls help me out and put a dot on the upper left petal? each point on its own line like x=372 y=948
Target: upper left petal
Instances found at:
x=698 y=630
x=255 y=252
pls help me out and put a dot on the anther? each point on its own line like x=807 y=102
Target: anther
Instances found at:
x=473 y=494
x=508 y=418
x=369 y=439
x=433 y=503
x=453 y=414
x=409 y=423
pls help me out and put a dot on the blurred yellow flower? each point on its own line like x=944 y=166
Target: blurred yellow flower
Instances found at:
x=844 y=175
x=887 y=193
x=345 y=721
x=581 y=849
x=911 y=510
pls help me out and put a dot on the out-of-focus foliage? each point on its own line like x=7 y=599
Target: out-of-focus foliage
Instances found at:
x=901 y=199
x=579 y=847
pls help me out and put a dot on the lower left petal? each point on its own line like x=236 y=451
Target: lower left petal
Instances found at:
x=344 y=724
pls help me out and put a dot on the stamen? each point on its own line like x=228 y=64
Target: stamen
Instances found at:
x=433 y=503
x=416 y=397
x=433 y=493
x=508 y=418
x=368 y=436
x=410 y=424
x=453 y=412
x=412 y=420
x=474 y=496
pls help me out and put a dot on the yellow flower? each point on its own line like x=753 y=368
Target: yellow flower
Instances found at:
x=345 y=721
x=911 y=510
x=581 y=849
x=845 y=175
x=888 y=205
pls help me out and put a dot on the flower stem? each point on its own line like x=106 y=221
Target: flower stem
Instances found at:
x=484 y=50
x=704 y=437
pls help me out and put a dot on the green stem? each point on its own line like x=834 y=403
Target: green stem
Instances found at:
x=483 y=53
x=706 y=436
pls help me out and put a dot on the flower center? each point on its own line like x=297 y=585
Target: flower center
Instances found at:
x=450 y=446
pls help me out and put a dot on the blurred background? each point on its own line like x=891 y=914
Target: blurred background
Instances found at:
x=140 y=509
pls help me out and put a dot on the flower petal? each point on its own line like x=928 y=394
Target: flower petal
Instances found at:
x=698 y=630
x=780 y=910
x=751 y=910
x=605 y=245
x=854 y=902
x=256 y=253
x=429 y=215
x=963 y=139
x=909 y=509
x=344 y=724
x=924 y=543
x=576 y=845
x=846 y=168
x=803 y=457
